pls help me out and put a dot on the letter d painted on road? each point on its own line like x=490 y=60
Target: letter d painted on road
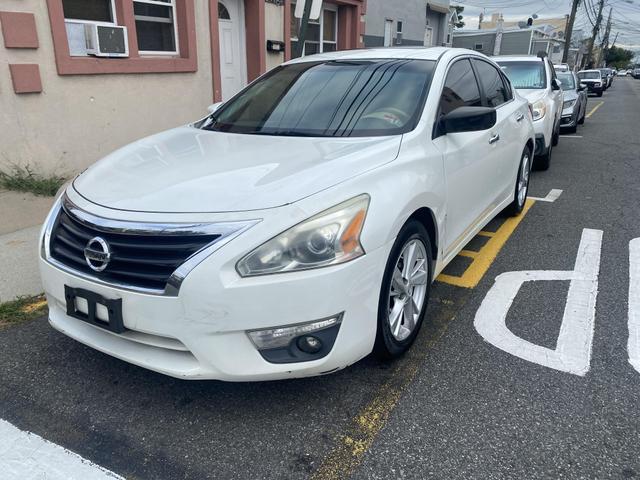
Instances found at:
x=573 y=348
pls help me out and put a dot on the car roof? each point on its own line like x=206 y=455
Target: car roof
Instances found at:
x=592 y=70
x=415 y=53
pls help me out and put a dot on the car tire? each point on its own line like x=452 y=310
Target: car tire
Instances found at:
x=543 y=162
x=555 y=139
x=584 y=114
x=398 y=324
x=599 y=94
x=522 y=181
x=573 y=129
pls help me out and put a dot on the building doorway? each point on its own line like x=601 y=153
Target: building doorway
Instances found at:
x=233 y=57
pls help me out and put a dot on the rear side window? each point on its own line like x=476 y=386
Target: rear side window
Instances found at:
x=460 y=88
x=491 y=81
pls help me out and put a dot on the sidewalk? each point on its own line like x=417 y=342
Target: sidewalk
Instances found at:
x=21 y=215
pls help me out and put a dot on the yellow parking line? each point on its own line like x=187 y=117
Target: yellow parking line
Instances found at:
x=468 y=254
x=486 y=234
x=485 y=257
x=593 y=110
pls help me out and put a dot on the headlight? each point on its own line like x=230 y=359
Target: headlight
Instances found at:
x=568 y=104
x=539 y=110
x=597 y=84
x=329 y=238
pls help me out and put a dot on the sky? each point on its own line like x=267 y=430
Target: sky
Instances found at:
x=625 y=15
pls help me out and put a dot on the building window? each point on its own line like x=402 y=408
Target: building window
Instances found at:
x=93 y=11
x=322 y=34
x=155 y=26
x=399 y=33
x=478 y=47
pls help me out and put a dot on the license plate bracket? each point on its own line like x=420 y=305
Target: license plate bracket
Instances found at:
x=113 y=306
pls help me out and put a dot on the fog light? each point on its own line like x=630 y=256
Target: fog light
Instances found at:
x=309 y=344
x=280 y=337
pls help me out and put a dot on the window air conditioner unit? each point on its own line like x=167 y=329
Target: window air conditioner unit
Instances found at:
x=106 y=40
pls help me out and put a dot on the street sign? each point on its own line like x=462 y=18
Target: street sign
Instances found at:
x=316 y=6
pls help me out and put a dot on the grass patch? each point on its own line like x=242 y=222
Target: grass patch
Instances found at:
x=23 y=179
x=22 y=309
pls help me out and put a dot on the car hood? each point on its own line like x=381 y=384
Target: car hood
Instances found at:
x=191 y=170
x=532 y=94
x=590 y=80
x=569 y=95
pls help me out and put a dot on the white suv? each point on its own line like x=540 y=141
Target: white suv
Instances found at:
x=535 y=79
x=298 y=227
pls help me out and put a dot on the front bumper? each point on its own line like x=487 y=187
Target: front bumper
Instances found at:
x=569 y=118
x=201 y=333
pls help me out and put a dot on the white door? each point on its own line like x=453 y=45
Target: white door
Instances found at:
x=468 y=159
x=233 y=59
x=388 y=29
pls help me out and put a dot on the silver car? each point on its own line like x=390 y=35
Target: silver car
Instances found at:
x=574 y=107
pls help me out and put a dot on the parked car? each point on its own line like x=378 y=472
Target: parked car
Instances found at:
x=561 y=67
x=622 y=73
x=299 y=226
x=636 y=73
x=594 y=81
x=574 y=108
x=535 y=79
x=607 y=75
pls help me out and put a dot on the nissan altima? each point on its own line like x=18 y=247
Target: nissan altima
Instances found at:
x=299 y=226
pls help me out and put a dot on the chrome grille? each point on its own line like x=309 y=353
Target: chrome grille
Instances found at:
x=145 y=261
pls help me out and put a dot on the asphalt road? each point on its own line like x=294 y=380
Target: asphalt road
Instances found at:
x=455 y=407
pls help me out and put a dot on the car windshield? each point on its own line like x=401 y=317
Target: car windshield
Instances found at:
x=567 y=81
x=589 y=75
x=330 y=99
x=525 y=75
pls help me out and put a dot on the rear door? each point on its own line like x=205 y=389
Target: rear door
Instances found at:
x=467 y=157
x=507 y=149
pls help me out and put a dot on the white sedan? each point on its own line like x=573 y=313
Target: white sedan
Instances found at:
x=298 y=227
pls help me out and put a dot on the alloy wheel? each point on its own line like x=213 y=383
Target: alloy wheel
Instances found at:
x=408 y=289
x=523 y=179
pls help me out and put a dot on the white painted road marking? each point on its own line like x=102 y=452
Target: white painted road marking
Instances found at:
x=26 y=456
x=633 y=344
x=573 y=349
x=551 y=197
x=570 y=136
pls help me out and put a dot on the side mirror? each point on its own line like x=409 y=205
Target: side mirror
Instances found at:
x=582 y=87
x=467 y=119
x=555 y=85
x=214 y=107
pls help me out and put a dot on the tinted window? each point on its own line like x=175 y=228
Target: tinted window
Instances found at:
x=526 y=75
x=460 y=88
x=335 y=98
x=491 y=82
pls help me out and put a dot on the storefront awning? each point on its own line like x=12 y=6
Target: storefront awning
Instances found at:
x=436 y=7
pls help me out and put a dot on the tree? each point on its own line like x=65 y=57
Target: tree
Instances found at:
x=618 y=57
x=459 y=10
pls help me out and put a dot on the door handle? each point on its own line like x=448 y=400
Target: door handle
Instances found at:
x=494 y=139
x=520 y=117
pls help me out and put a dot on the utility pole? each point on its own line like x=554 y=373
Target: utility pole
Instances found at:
x=604 y=46
x=569 y=31
x=594 y=35
x=304 y=23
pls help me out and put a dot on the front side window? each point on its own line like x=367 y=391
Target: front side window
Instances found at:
x=492 y=83
x=460 y=88
x=89 y=10
x=330 y=99
x=155 y=25
x=322 y=34
x=525 y=75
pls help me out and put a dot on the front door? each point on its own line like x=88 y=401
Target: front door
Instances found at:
x=233 y=59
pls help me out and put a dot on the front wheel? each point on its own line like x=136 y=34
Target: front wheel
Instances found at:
x=522 y=185
x=405 y=291
x=543 y=162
